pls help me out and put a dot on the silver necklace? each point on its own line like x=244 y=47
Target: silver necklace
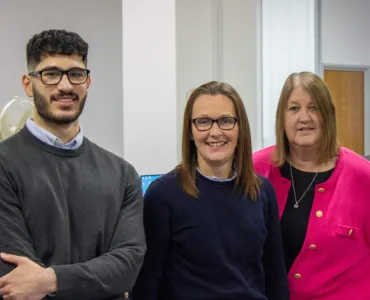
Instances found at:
x=295 y=196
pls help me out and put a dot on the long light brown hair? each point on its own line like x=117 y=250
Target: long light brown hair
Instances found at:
x=247 y=181
x=320 y=95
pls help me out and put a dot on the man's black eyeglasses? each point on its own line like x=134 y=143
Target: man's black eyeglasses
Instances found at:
x=54 y=76
x=224 y=123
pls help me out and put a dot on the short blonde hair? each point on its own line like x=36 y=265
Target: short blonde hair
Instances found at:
x=320 y=94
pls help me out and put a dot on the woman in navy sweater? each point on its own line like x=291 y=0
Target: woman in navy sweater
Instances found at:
x=212 y=224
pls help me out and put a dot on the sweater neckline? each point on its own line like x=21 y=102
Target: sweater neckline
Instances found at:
x=203 y=178
x=51 y=149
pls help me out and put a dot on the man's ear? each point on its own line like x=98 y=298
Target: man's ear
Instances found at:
x=88 y=81
x=27 y=85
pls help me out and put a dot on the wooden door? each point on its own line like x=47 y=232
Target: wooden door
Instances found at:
x=347 y=90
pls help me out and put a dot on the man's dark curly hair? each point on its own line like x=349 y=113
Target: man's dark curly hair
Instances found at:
x=52 y=42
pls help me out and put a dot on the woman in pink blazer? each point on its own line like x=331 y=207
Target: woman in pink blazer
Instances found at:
x=323 y=194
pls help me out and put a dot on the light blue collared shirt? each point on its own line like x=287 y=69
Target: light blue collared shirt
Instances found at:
x=214 y=178
x=52 y=140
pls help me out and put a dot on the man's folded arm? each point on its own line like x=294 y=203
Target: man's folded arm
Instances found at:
x=115 y=272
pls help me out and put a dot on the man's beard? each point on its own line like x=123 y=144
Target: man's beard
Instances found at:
x=43 y=107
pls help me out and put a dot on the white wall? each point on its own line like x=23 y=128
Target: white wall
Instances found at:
x=195 y=37
x=218 y=40
x=241 y=65
x=345 y=32
x=149 y=85
x=288 y=45
x=20 y=20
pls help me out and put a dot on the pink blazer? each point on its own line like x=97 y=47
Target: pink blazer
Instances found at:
x=334 y=263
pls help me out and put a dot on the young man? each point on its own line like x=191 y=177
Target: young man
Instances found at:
x=70 y=211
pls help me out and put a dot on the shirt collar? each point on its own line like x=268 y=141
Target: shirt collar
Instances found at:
x=214 y=178
x=50 y=139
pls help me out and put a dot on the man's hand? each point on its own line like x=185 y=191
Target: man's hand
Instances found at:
x=28 y=281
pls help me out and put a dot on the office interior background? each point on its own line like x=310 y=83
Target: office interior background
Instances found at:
x=146 y=55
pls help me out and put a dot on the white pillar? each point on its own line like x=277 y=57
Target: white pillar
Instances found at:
x=149 y=85
x=289 y=44
x=241 y=48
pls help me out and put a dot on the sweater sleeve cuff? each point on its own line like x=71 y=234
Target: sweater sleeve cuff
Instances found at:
x=66 y=281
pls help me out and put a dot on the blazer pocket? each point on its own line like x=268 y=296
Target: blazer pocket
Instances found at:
x=348 y=232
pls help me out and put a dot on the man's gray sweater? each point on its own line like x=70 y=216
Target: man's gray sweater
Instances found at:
x=77 y=211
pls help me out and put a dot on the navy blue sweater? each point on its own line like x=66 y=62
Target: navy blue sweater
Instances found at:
x=220 y=246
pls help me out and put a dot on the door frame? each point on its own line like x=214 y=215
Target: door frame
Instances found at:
x=366 y=70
